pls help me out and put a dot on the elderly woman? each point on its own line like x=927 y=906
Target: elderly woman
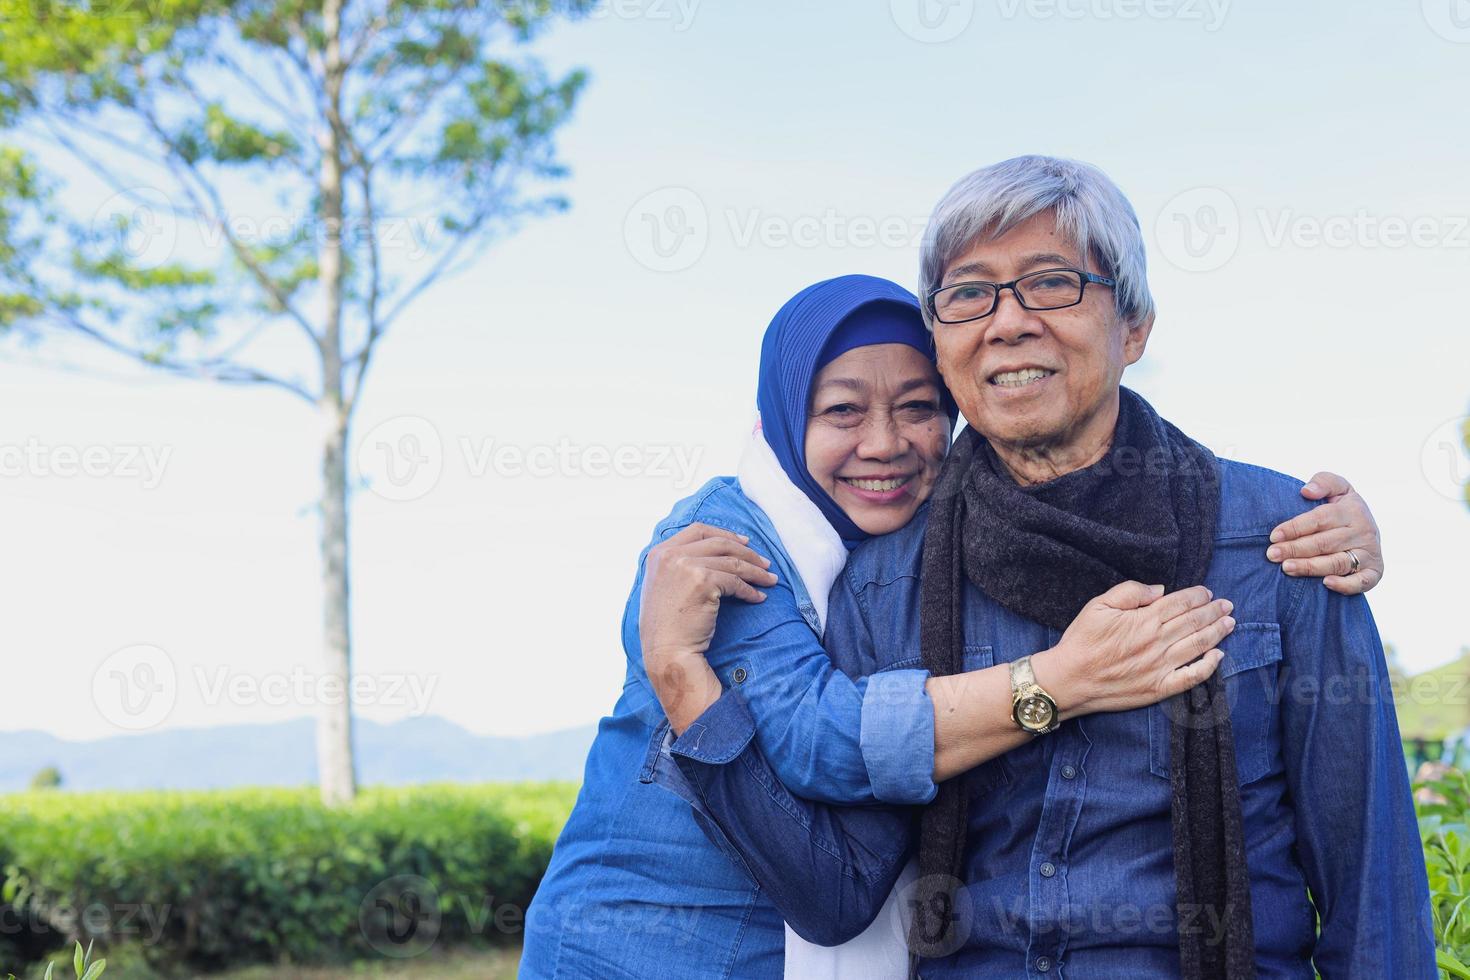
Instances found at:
x=1257 y=825
x=854 y=426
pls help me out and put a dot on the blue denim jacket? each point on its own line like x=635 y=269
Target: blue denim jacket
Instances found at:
x=635 y=888
x=1068 y=868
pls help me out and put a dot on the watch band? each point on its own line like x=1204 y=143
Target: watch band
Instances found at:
x=1032 y=708
x=1022 y=675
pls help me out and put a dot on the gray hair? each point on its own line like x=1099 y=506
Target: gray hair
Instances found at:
x=1090 y=210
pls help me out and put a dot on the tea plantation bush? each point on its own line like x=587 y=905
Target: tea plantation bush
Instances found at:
x=1444 y=813
x=201 y=880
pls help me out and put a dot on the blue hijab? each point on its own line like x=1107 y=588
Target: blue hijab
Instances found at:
x=816 y=326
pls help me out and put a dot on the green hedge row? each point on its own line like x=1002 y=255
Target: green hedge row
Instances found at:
x=198 y=881
x=201 y=880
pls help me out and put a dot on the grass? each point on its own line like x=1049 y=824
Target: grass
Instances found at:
x=468 y=965
x=465 y=964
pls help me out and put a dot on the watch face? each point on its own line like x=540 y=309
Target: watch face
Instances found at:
x=1035 y=714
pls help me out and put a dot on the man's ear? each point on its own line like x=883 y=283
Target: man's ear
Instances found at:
x=1136 y=339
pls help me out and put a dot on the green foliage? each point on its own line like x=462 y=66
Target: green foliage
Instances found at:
x=222 y=138
x=82 y=964
x=324 y=128
x=200 y=880
x=1444 y=806
x=48 y=777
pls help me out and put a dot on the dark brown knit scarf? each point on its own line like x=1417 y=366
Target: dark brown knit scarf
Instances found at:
x=1146 y=511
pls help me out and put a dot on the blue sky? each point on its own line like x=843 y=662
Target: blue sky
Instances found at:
x=1298 y=169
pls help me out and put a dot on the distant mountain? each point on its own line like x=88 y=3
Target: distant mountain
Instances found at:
x=415 y=750
x=1436 y=703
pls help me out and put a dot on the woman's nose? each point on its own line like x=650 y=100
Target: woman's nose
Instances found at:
x=883 y=439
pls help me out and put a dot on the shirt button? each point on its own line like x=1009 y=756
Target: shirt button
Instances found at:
x=1043 y=963
x=1048 y=869
x=1069 y=772
x=739 y=675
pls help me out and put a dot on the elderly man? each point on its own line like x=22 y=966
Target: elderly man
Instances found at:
x=1258 y=826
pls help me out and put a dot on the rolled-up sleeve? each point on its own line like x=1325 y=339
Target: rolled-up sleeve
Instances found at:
x=898 y=736
x=818 y=727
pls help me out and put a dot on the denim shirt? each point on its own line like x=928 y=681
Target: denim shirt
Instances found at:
x=1068 y=869
x=640 y=884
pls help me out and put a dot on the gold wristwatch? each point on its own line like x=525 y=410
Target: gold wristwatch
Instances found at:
x=1033 y=709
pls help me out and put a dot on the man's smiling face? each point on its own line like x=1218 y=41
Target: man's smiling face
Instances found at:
x=1037 y=382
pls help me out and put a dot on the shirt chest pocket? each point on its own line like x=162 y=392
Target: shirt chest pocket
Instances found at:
x=1250 y=674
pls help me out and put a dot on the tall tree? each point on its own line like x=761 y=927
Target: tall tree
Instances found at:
x=285 y=146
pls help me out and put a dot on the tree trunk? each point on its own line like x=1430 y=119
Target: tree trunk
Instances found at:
x=334 y=722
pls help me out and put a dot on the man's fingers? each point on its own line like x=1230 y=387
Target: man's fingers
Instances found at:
x=744 y=570
x=700 y=569
x=1314 y=545
x=699 y=532
x=733 y=585
x=1325 y=484
x=1191 y=675
x=1314 y=520
x=709 y=547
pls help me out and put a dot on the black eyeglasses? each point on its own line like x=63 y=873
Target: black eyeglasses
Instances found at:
x=1049 y=289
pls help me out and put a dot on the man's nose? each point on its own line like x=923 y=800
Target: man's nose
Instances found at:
x=1011 y=321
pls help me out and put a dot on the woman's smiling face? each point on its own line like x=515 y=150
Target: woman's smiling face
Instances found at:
x=877 y=433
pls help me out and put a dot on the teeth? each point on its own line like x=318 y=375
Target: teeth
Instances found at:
x=1014 y=379
x=878 y=484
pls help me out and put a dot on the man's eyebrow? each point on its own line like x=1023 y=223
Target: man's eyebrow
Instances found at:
x=1049 y=259
x=966 y=271
x=972 y=269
